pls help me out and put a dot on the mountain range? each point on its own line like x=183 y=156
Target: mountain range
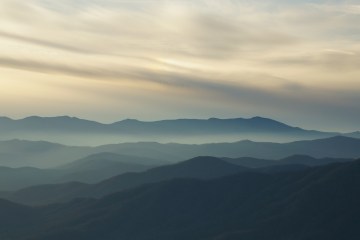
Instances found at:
x=314 y=203
x=199 y=168
x=75 y=131
x=20 y=153
x=195 y=179
x=91 y=169
x=97 y=167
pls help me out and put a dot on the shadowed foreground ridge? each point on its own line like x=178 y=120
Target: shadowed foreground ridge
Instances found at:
x=317 y=203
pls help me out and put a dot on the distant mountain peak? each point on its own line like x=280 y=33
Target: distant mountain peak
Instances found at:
x=5 y=118
x=104 y=154
x=31 y=117
x=64 y=117
x=338 y=138
x=299 y=156
x=130 y=120
x=205 y=161
x=261 y=118
x=267 y=120
x=127 y=121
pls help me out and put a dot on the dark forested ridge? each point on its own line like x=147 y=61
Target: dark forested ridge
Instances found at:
x=317 y=203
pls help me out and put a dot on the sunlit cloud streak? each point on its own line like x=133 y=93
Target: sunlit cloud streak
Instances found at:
x=287 y=56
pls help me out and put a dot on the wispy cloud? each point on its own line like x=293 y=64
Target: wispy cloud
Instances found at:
x=252 y=55
x=43 y=43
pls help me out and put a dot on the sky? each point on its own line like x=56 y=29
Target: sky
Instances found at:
x=294 y=61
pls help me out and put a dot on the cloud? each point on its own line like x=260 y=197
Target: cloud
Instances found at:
x=347 y=8
x=283 y=93
x=86 y=72
x=43 y=43
x=328 y=60
x=202 y=33
x=281 y=55
x=211 y=35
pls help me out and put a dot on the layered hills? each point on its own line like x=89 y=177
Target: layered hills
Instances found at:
x=20 y=153
x=197 y=168
x=316 y=203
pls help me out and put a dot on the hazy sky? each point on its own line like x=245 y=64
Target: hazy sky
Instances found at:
x=294 y=61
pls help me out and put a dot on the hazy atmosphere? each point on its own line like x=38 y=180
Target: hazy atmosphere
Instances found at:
x=294 y=61
x=179 y=120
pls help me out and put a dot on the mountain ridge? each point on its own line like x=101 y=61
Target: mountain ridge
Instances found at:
x=65 y=129
x=199 y=168
x=203 y=167
x=308 y=204
x=48 y=155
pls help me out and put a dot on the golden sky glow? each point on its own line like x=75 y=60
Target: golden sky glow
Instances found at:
x=295 y=61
